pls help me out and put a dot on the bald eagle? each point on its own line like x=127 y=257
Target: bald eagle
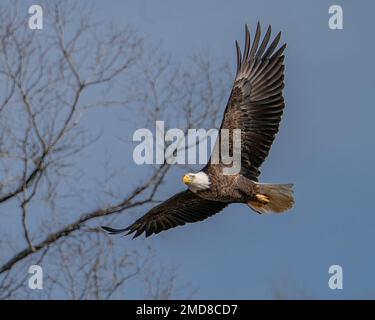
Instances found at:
x=255 y=106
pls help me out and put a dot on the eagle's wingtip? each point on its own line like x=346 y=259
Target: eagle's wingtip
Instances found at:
x=110 y=230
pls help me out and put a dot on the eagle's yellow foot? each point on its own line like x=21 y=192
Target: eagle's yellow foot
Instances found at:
x=262 y=198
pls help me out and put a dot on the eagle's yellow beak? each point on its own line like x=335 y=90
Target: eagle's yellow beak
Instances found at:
x=186 y=179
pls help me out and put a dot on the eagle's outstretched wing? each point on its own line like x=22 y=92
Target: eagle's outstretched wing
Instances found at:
x=183 y=207
x=256 y=103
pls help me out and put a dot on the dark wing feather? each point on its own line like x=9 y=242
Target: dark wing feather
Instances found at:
x=256 y=102
x=184 y=207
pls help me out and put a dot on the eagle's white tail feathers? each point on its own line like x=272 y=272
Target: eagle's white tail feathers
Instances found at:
x=274 y=198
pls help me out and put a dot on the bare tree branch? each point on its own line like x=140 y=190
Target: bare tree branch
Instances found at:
x=53 y=184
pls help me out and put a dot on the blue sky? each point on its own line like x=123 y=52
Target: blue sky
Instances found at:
x=325 y=147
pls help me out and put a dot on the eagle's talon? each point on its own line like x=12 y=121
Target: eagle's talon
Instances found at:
x=262 y=198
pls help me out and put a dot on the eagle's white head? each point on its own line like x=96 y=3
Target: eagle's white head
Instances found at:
x=197 y=181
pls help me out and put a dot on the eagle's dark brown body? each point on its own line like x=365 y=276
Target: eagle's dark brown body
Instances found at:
x=229 y=188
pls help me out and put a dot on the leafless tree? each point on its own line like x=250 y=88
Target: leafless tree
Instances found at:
x=58 y=179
